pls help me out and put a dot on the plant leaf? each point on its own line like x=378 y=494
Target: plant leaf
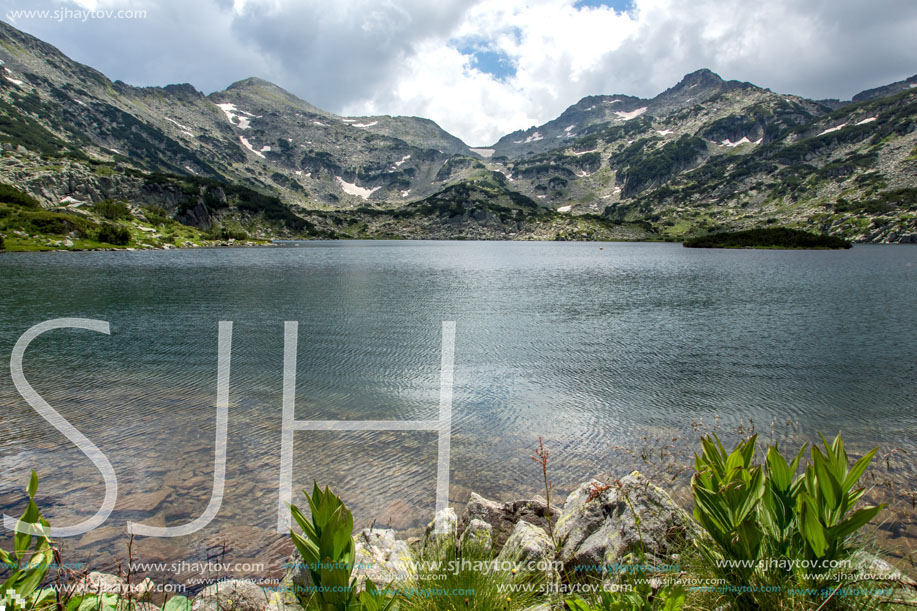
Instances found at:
x=859 y=467
x=33 y=485
x=856 y=521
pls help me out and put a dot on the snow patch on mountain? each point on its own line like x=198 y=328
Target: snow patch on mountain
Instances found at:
x=833 y=129
x=237 y=117
x=870 y=119
x=578 y=153
x=352 y=189
x=627 y=116
x=730 y=143
x=9 y=76
x=249 y=146
x=365 y=124
x=183 y=128
x=229 y=110
x=565 y=208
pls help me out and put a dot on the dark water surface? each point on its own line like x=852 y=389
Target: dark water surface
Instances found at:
x=589 y=345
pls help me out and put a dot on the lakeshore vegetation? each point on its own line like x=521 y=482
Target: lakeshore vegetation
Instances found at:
x=771 y=532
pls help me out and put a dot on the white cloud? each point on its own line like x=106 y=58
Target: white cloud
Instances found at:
x=561 y=54
x=400 y=56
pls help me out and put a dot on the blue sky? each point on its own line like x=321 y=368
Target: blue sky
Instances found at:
x=484 y=68
x=495 y=63
x=618 y=5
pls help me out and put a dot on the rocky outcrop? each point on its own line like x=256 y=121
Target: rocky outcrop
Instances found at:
x=503 y=517
x=231 y=595
x=528 y=544
x=382 y=558
x=442 y=530
x=599 y=524
x=478 y=533
x=198 y=216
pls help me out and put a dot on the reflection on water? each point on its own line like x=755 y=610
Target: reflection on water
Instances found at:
x=591 y=349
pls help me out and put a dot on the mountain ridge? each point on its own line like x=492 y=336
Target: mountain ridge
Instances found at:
x=704 y=154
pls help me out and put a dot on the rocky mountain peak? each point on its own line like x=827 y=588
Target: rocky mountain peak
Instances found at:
x=703 y=77
x=886 y=90
x=694 y=88
x=183 y=90
x=265 y=95
x=252 y=82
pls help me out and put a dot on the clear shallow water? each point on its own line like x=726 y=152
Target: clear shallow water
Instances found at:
x=589 y=345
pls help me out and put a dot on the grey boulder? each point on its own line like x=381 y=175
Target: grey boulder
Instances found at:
x=598 y=527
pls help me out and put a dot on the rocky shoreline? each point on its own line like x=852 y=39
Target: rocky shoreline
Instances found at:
x=595 y=532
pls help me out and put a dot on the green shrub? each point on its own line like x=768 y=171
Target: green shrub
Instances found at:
x=327 y=548
x=224 y=233
x=28 y=567
x=12 y=195
x=112 y=209
x=825 y=501
x=31 y=557
x=155 y=214
x=54 y=223
x=114 y=234
x=2 y=243
x=772 y=526
x=728 y=490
